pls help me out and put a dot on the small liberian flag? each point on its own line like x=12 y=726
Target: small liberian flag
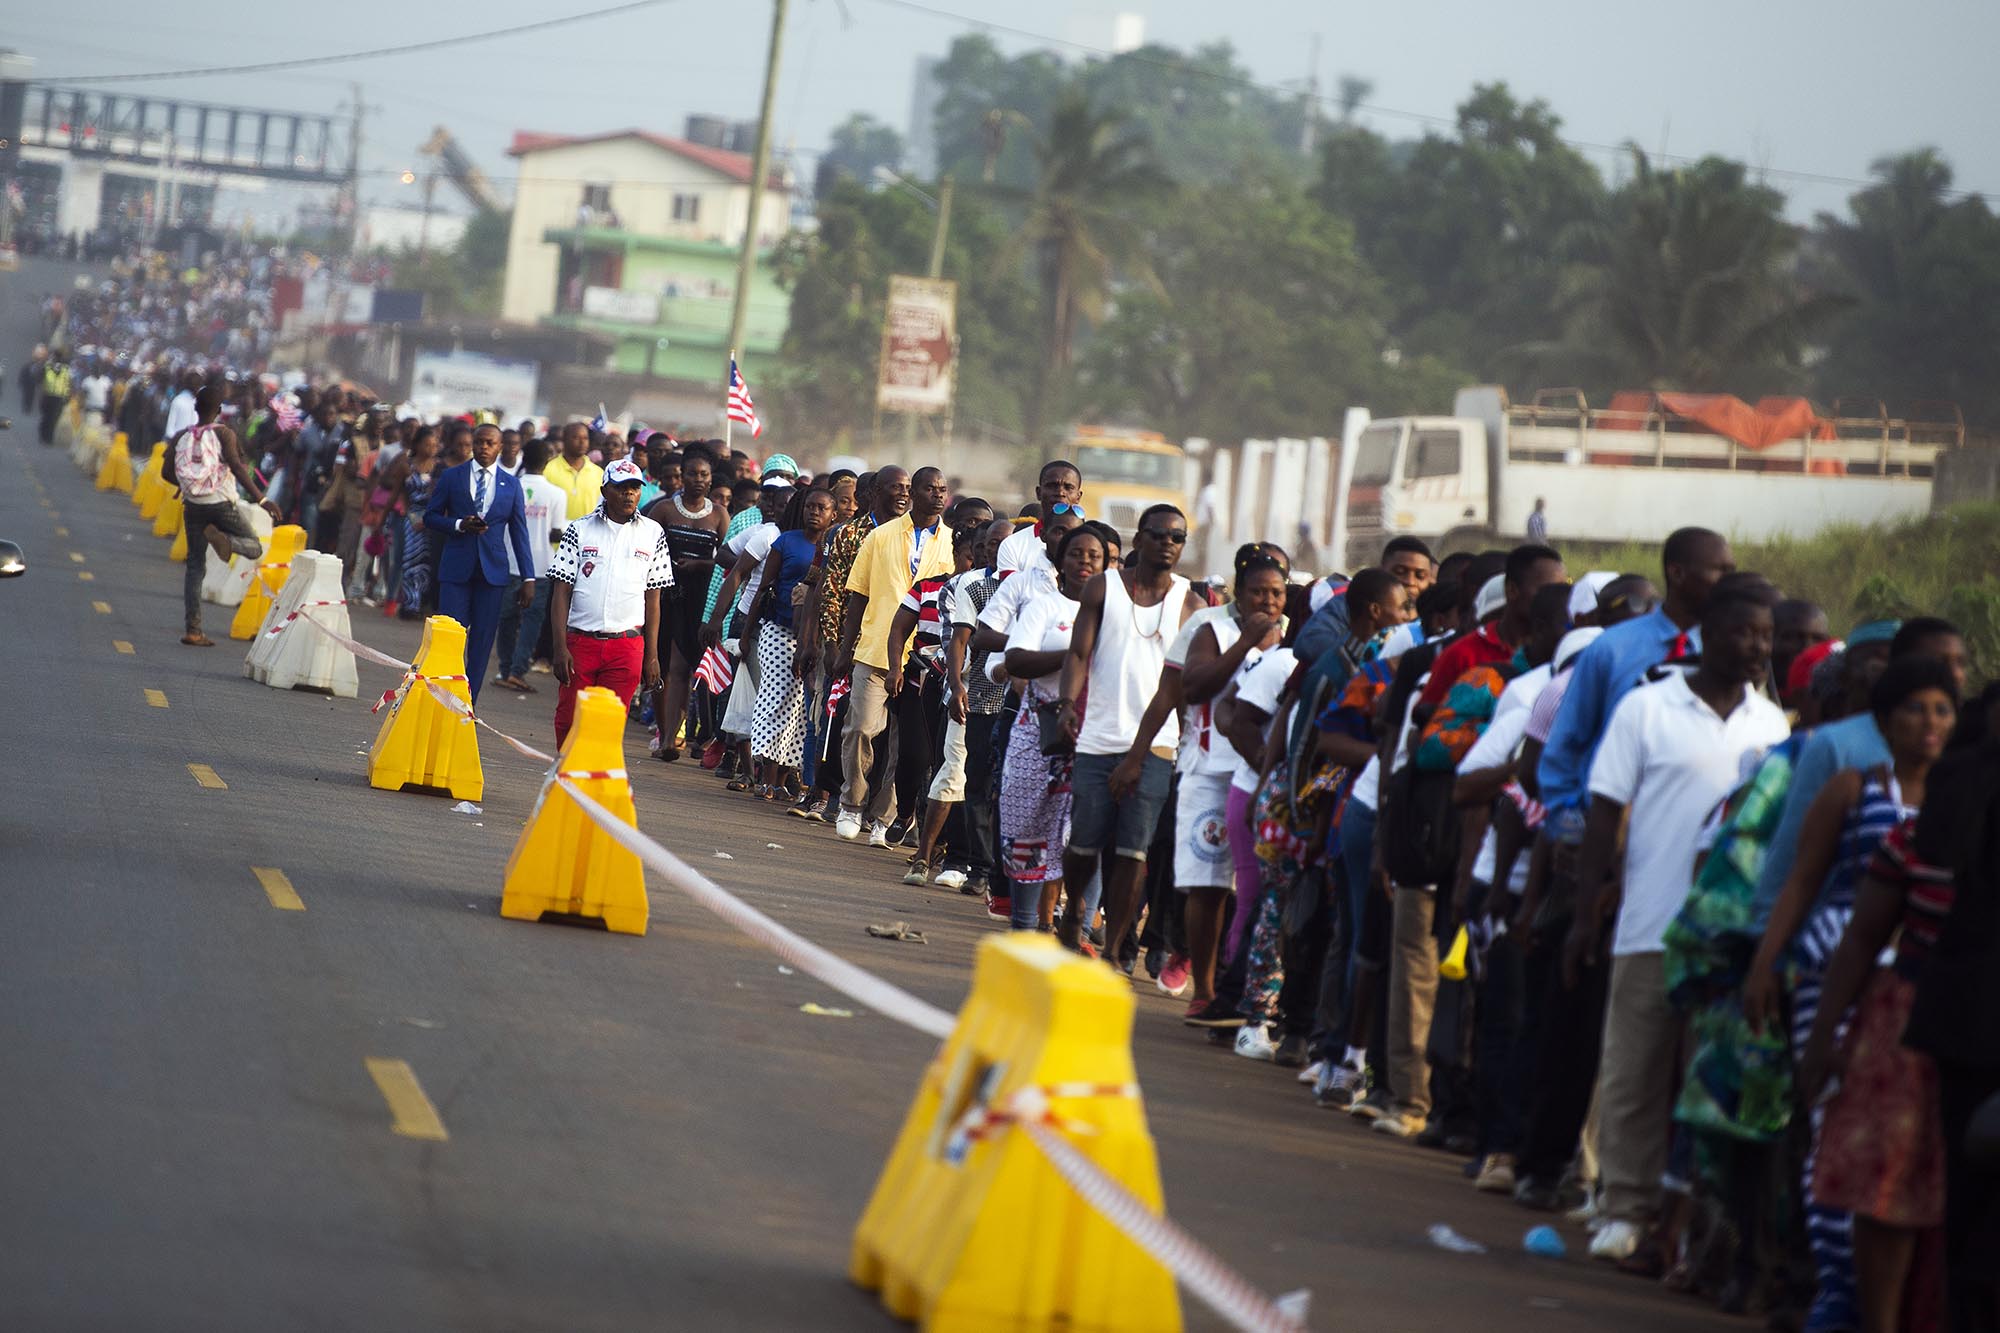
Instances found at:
x=600 y=423
x=286 y=409
x=740 y=407
x=715 y=671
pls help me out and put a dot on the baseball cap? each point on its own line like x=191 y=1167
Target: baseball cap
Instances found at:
x=780 y=465
x=1875 y=631
x=1799 y=676
x=1492 y=597
x=1573 y=643
x=623 y=472
x=1583 y=595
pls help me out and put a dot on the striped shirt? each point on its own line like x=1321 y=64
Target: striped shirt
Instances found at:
x=1927 y=895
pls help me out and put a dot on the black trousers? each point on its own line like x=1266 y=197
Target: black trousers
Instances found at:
x=1571 y=1027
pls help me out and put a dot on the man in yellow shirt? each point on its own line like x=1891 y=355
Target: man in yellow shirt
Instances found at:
x=580 y=478
x=913 y=545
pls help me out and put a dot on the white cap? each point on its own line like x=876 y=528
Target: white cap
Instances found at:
x=1573 y=643
x=1322 y=593
x=1583 y=593
x=1492 y=596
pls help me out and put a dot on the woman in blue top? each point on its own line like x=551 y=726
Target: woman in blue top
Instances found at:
x=778 y=731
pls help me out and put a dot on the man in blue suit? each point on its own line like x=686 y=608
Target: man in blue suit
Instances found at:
x=474 y=504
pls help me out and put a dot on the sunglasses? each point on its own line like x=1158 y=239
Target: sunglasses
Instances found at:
x=1060 y=508
x=1177 y=536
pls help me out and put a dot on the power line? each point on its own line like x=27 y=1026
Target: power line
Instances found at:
x=301 y=62
x=1181 y=67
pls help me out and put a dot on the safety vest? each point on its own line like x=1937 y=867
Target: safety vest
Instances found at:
x=55 y=380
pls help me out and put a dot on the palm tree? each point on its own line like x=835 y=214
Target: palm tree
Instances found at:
x=1686 y=282
x=1079 y=221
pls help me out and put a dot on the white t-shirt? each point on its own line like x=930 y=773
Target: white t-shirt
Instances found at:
x=96 y=392
x=611 y=566
x=543 y=504
x=1261 y=686
x=180 y=414
x=1044 y=626
x=1670 y=759
x=1203 y=748
x=1023 y=549
x=755 y=543
x=1498 y=744
x=1016 y=591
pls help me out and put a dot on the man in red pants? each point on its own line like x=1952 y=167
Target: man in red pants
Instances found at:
x=608 y=574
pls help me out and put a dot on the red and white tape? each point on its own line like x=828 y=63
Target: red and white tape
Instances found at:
x=290 y=616
x=1205 y=1273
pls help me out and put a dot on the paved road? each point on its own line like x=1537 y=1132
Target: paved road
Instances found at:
x=641 y=1132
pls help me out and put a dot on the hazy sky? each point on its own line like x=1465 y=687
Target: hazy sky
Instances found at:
x=1821 y=87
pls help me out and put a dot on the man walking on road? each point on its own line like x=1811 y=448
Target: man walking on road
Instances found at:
x=479 y=509
x=607 y=576
x=55 y=395
x=206 y=462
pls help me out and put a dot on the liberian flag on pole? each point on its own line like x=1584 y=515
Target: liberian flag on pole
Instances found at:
x=740 y=407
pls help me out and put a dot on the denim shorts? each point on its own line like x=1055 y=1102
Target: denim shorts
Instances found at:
x=1095 y=820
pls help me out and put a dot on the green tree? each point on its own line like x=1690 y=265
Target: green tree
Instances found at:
x=859 y=145
x=1266 y=321
x=1687 y=281
x=1079 y=226
x=1924 y=269
x=464 y=280
x=838 y=276
x=1463 y=227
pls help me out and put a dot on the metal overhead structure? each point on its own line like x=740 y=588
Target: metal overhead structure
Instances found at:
x=151 y=131
x=459 y=169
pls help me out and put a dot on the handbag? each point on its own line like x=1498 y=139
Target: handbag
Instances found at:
x=1053 y=739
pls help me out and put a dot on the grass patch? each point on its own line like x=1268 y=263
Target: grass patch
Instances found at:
x=1945 y=564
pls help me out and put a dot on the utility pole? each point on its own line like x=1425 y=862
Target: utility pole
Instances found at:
x=936 y=270
x=360 y=109
x=1309 y=132
x=760 y=166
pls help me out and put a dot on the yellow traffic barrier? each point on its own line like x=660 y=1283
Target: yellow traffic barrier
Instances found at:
x=272 y=571
x=564 y=865
x=178 y=552
x=114 y=471
x=151 y=487
x=1042 y=1028
x=422 y=742
x=1452 y=966
x=167 y=520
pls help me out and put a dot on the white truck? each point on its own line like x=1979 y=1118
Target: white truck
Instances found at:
x=1622 y=473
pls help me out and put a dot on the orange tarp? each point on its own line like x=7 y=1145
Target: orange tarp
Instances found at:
x=1771 y=421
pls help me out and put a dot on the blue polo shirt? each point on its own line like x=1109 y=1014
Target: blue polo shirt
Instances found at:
x=1604 y=673
x=1852 y=742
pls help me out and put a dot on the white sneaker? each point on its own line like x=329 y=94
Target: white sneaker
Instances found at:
x=848 y=825
x=949 y=879
x=1615 y=1241
x=1310 y=1074
x=878 y=834
x=1254 y=1043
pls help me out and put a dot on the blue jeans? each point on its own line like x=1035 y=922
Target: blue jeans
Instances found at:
x=520 y=628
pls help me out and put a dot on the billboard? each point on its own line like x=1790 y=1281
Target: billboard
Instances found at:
x=453 y=382
x=919 y=338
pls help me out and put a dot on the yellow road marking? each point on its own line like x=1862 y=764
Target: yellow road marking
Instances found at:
x=156 y=698
x=416 y=1118
x=85 y=575
x=76 y=556
x=61 y=531
x=124 y=647
x=102 y=608
x=206 y=776
x=278 y=888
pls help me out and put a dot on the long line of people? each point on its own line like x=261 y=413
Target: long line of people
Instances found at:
x=1637 y=890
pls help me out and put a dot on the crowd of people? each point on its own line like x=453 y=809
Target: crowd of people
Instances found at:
x=1640 y=891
